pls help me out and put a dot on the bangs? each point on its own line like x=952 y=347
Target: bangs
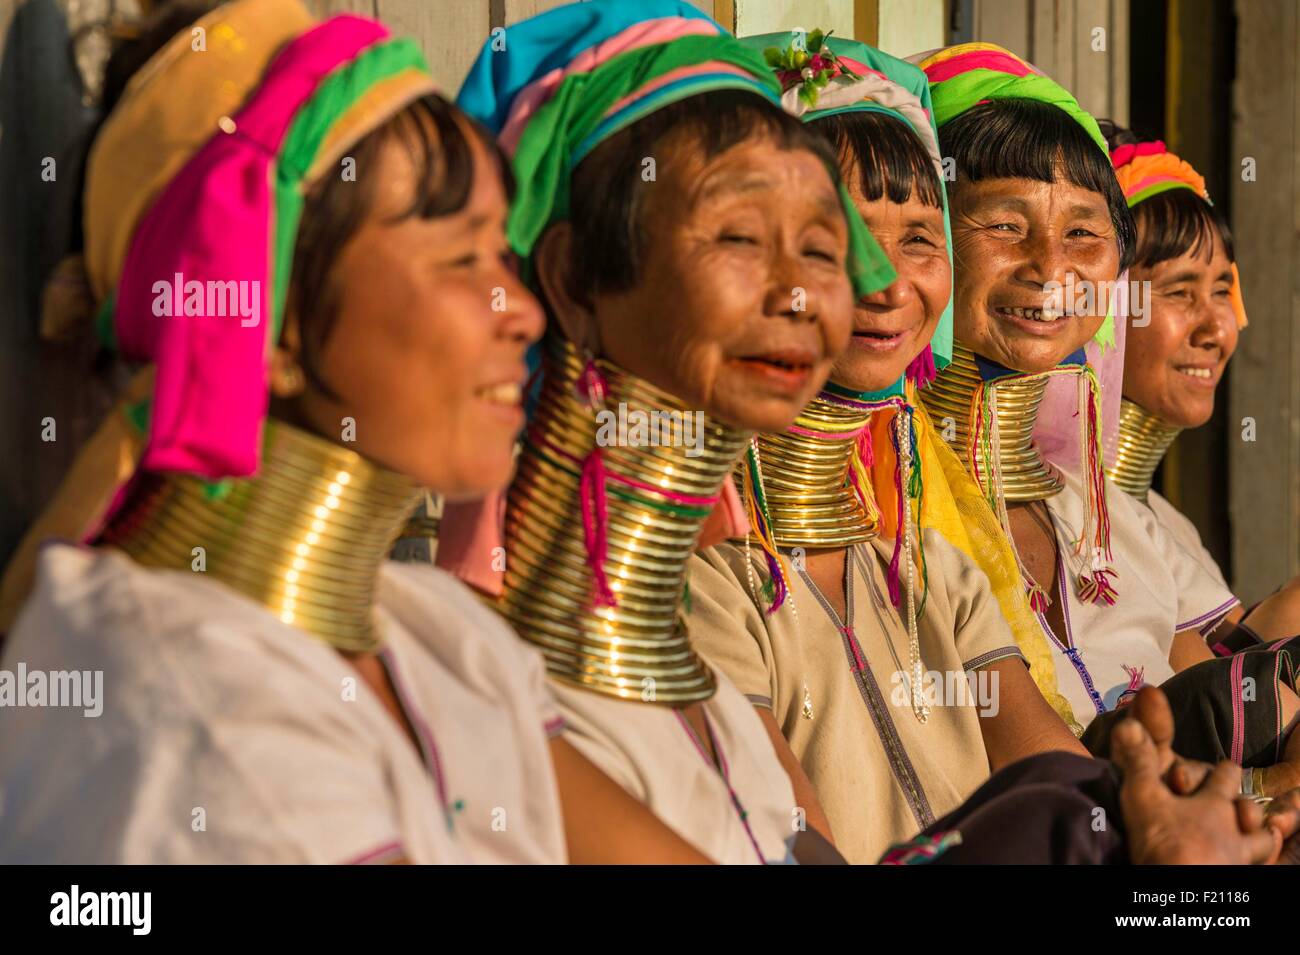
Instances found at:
x=605 y=200
x=1176 y=223
x=1026 y=139
x=887 y=156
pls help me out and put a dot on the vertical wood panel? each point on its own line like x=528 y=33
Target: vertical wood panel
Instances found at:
x=768 y=16
x=1119 y=59
x=506 y=12
x=326 y=8
x=451 y=34
x=1264 y=483
x=1004 y=22
x=1091 y=84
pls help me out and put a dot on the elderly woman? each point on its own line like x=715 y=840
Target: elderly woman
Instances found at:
x=274 y=690
x=831 y=668
x=689 y=240
x=1041 y=231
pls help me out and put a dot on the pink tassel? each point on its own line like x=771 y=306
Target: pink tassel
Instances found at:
x=777 y=576
x=1136 y=680
x=1097 y=588
x=592 y=498
x=591 y=385
x=891 y=578
x=922 y=371
x=1038 y=599
x=866 y=453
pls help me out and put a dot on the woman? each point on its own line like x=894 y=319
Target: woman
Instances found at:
x=684 y=171
x=818 y=664
x=273 y=690
x=1177 y=355
x=1041 y=231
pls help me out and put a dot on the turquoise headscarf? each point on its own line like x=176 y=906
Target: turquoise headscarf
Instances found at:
x=555 y=86
x=872 y=82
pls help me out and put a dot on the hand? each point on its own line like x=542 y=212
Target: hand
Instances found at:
x=1211 y=827
x=1151 y=708
x=1283 y=815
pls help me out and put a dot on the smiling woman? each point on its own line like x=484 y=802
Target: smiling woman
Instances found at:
x=691 y=256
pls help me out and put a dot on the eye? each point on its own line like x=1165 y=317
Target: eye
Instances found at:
x=824 y=254
x=1082 y=233
x=920 y=239
x=466 y=261
x=1003 y=227
x=738 y=238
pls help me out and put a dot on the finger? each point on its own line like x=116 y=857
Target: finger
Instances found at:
x=1224 y=781
x=1284 y=814
x=1151 y=708
x=1187 y=775
x=1133 y=751
x=1262 y=846
x=1250 y=815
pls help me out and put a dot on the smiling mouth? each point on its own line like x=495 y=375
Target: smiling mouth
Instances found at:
x=509 y=394
x=1200 y=374
x=1045 y=315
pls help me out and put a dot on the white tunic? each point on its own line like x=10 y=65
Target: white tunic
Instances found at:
x=1162 y=591
x=1183 y=531
x=228 y=736
x=648 y=750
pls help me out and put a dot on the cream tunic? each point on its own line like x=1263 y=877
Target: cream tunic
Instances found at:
x=228 y=736
x=881 y=775
x=1184 y=532
x=649 y=750
x=1162 y=591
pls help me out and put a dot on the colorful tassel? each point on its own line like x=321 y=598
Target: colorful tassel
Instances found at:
x=591 y=385
x=761 y=526
x=591 y=491
x=1038 y=599
x=1136 y=680
x=922 y=371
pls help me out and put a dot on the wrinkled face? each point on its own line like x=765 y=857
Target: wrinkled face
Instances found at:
x=743 y=301
x=1011 y=238
x=1173 y=364
x=893 y=326
x=427 y=353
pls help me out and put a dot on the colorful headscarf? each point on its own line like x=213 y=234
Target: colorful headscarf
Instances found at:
x=197 y=181
x=553 y=88
x=965 y=75
x=1148 y=169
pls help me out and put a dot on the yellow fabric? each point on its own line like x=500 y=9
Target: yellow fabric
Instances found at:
x=952 y=504
x=101 y=467
x=169 y=110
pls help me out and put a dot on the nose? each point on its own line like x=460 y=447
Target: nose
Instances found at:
x=1214 y=327
x=1045 y=259
x=522 y=317
x=788 y=293
x=896 y=294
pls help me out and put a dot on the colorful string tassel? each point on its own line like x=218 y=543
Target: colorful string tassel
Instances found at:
x=922 y=371
x=592 y=388
x=776 y=588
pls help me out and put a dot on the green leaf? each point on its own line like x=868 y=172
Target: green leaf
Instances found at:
x=773 y=56
x=808 y=95
x=815 y=40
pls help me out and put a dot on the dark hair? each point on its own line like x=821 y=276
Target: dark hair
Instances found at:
x=1028 y=139
x=435 y=134
x=607 y=191
x=1173 y=223
x=888 y=155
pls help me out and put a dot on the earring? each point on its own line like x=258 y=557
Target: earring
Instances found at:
x=290 y=380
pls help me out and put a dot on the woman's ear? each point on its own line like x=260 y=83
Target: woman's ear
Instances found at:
x=286 y=372
x=553 y=267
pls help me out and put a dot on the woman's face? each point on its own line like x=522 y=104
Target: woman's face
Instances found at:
x=743 y=301
x=1173 y=363
x=893 y=326
x=1011 y=238
x=427 y=352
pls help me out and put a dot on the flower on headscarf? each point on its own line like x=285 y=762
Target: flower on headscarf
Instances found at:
x=810 y=67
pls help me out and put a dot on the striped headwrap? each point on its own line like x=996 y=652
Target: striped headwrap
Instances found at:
x=197 y=181
x=1148 y=169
